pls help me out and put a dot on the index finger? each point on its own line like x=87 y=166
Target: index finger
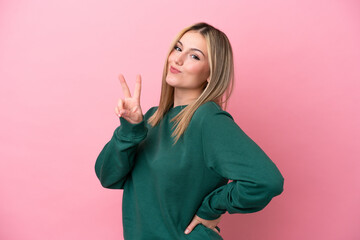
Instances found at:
x=124 y=86
x=137 y=90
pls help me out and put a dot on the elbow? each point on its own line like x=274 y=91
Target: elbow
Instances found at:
x=255 y=196
x=118 y=185
x=269 y=190
x=109 y=182
x=274 y=186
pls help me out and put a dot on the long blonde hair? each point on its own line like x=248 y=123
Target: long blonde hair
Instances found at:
x=219 y=87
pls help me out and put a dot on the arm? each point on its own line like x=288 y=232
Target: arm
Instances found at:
x=117 y=158
x=233 y=155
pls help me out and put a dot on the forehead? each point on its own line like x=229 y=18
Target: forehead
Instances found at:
x=194 y=39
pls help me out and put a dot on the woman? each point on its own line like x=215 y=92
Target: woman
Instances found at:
x=174 y=162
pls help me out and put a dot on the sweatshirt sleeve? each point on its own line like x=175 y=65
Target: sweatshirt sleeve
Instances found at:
x=232 y=154
x=117 y=158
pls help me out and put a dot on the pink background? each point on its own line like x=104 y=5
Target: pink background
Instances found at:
x=296 y=95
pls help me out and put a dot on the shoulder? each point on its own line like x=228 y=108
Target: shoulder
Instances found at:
x=210 y=110
x=150 y=112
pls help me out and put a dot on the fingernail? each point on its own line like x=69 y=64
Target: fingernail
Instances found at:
x=187 y=231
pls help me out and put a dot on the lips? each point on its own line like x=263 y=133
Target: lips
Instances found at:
x=174 y=70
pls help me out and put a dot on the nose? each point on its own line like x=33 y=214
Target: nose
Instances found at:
x=179 y=59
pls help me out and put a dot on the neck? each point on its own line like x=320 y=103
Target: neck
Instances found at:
x=185 y=96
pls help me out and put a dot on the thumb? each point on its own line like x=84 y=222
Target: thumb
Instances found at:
x=191 y=226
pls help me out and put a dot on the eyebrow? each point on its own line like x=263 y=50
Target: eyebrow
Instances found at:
x=194 y=49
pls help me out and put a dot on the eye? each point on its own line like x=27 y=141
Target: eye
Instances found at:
x=177 y=48
x=195 y=57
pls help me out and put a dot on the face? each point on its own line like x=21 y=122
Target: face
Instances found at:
x=188 y=65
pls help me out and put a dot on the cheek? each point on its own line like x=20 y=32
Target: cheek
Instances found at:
x=171 y=57
x=194 y=69
x=200 y=70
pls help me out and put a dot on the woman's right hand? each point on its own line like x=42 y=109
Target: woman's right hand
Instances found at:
x=129 y=107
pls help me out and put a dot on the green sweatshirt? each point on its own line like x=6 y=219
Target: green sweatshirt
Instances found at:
x=165 y=185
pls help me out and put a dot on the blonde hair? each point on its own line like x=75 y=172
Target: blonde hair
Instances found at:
x=219 y=87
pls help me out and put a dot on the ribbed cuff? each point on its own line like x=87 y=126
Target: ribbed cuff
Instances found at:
x=209 y=208
x=132 y=131
x=206 y=210
x=205 y=214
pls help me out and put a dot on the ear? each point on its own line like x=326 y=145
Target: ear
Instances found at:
x=208 y=79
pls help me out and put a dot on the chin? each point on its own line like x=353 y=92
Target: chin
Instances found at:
x=171 y=80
